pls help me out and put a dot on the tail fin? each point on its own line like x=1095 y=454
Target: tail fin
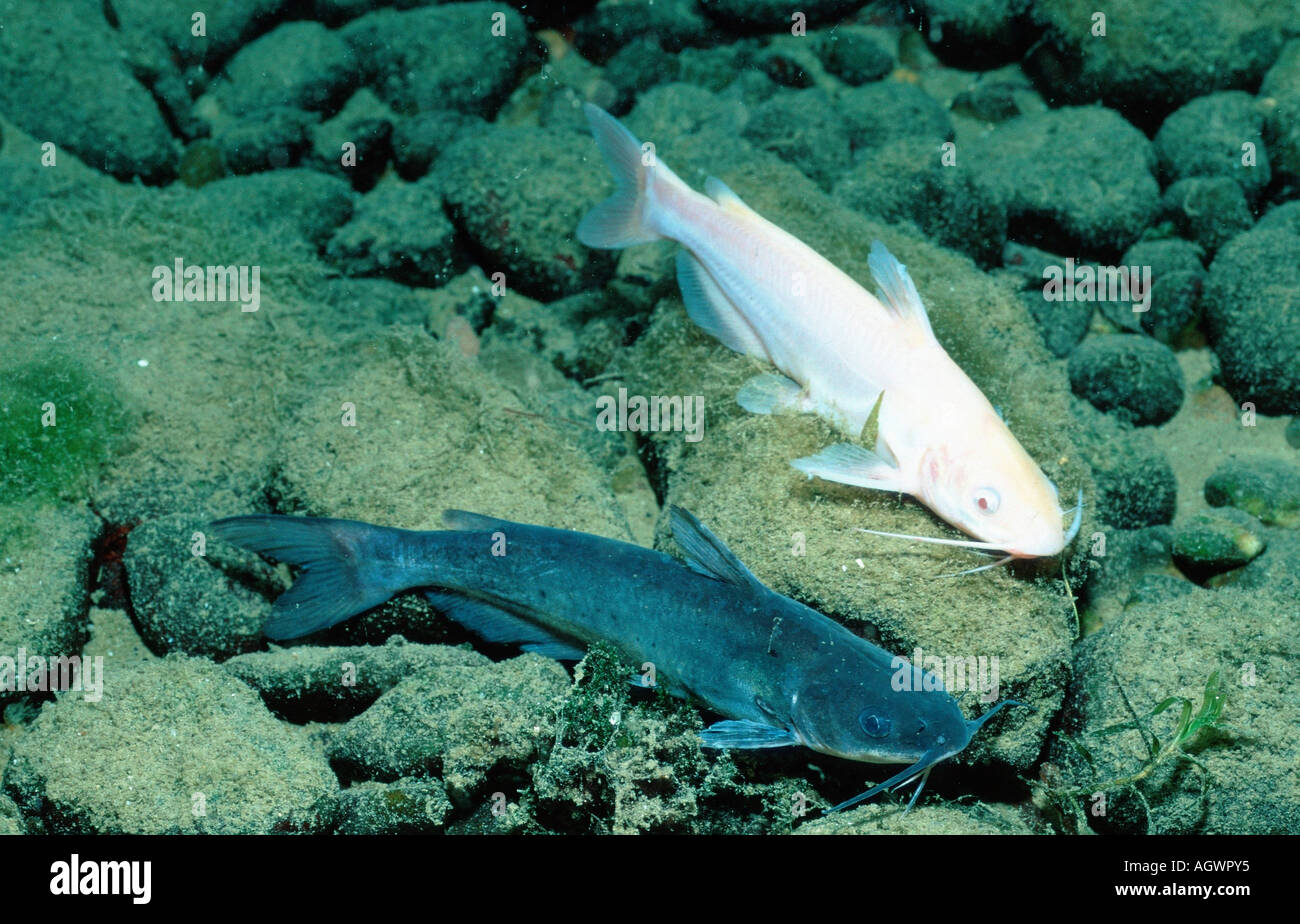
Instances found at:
x=620 y=220
x=346 y=567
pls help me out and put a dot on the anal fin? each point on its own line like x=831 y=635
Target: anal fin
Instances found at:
x=771 y=392
x=709 y=307
x=495 y=624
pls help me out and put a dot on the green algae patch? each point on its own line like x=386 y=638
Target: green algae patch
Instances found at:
x=60 y=422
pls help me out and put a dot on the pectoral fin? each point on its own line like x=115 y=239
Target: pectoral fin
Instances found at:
x=845 y=463
x=743 y=734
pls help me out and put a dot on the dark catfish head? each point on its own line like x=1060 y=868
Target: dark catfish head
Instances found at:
x=862 y=721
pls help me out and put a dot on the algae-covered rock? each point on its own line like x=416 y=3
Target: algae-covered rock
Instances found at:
x=941 y=818
x=608 y=27
x=272 y=139
x=1079 y=176
x=1243 y=779
x=298 y=64
x=1207 y=210
x=622 y=767
x=181 y=601
x=356 y=142
x=60 y=422
x=11 y=821
x=411 y=805
x=1151 y=56
x=398 y=230
x=804 y=128
x=174 y=746
x=1137 y=378
x=419 y=139
x=517 y=193
x=45 y=555
x=1125 y=566
x=440 y=57
x=1251 y=320
x=855 y=54
x=311 y=683
x=906 y=179
x=772 y=15
x=422 y=401
x=303 y=202
x=1207 y=545
x=1136 y=485
x=457 y=720
x=1061 y=322
x=1177 y=281
x=885 y=111
x=1265 y=488
x=115 y=123
x=1279 y=98
x=972 y=32
x=1207 y=137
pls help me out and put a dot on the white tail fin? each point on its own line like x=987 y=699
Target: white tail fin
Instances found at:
x=619 y=221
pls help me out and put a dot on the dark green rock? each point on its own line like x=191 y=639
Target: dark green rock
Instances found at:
x=181 y=602
x=399 y=230
x=1072 y=178
x=854 y=55
x=1209 y=211
x=1251 y=318
x=886 y=110
x=1205 y=138
x=1265 y=488
x=1136 y=485
x=1177 y=281
x=804 y=128
x=906 y=180
x=1207 y=545
x=1133 y=376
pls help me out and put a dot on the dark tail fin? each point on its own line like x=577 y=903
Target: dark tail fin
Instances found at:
x=347 y=567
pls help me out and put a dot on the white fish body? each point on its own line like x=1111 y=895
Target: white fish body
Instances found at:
x=765 y=293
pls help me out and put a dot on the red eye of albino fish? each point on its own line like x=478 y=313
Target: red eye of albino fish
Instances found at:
x=987 y=500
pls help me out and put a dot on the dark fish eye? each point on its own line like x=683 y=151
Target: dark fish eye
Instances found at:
x=921 y=726
x=874 y=724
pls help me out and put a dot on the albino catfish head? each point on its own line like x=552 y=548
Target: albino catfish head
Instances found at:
x=996 y=493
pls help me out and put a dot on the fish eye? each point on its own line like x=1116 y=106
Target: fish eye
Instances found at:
x=921 y=726
x=987 y=500
x=874 y=724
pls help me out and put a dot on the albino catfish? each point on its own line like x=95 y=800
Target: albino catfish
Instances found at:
x=783 y=674
x=763 y=292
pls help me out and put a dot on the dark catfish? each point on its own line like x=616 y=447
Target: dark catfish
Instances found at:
x=782 y=673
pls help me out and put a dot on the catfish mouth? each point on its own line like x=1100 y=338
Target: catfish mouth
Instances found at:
x=925 y=763
x=921 y=768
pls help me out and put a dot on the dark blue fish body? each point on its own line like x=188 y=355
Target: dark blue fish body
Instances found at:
x=783 y=673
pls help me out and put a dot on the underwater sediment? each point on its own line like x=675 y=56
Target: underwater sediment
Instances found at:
x=427 y=332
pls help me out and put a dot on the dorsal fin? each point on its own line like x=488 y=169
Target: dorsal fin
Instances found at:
x=897 y=290
x=722 y=194
x=464 y=520
x=706 y=554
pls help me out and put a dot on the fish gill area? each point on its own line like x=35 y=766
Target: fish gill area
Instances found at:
x=425 y=332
